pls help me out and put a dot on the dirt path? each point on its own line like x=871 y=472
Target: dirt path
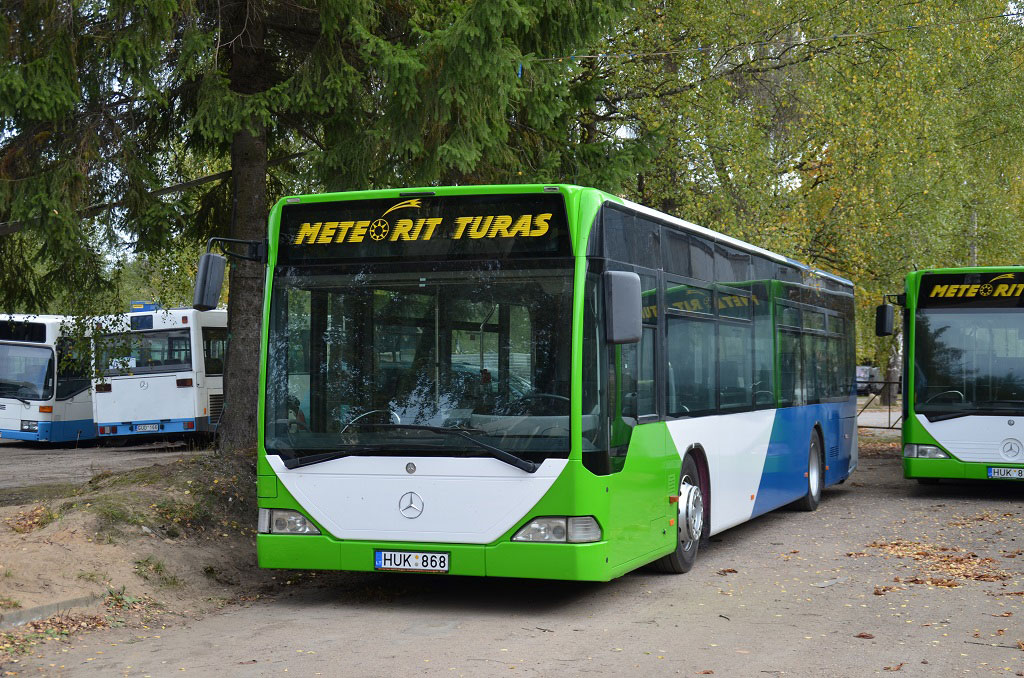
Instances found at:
x=25 y=465
x=781 y=595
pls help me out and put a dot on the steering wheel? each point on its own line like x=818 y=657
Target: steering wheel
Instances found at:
x=536 y=395
x=524 y=404
x=962 y=397
x=394 y=415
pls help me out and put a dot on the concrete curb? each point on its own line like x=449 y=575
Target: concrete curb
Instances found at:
x=19 y=617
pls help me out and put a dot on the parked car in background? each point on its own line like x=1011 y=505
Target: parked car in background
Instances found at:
x=869 y=379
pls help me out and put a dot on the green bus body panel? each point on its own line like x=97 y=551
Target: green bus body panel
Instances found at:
x=632 y=508
x=912 y=431
x=950 y=468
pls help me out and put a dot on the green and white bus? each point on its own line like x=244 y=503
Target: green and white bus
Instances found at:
x=963 y=374
x=534 y=381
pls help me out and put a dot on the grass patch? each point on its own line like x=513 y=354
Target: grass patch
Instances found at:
x=193 y=514
x=17 y=496
x=8 y=603
x=93 y=577
x=153 y=570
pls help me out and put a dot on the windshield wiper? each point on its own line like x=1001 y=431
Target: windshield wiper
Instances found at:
x=19 y=398
x=464 y=433
x=354 y=451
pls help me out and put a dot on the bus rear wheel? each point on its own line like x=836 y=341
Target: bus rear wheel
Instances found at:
x=689 y=522
x=815 y=475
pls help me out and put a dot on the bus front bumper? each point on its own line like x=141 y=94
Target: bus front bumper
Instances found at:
x=587 y=562
x=950 y=468
x=42 y=433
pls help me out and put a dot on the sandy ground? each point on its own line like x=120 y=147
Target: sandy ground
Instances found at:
x=887 y=576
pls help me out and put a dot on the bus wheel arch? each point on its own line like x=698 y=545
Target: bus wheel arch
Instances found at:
x=696 y=451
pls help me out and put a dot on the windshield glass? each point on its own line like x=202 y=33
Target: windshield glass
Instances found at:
x=26 y=372
x=354 y=359
x=153 y=352
x=969 y=360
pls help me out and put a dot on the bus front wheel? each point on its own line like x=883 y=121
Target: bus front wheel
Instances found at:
x=689 y=521
x=815 y=475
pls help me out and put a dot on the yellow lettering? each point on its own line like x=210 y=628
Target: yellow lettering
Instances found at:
x=938 y=290
x=522 y=226
x=327 y=232
x=307 y=234
x=500 y=226
x=401 y=229
x=972 y=290
x=358 y=231
x=419 y=227
x=460 y=226
x=431 y=225
x=480 y=227
x=1017 y=290
x=951 y=290
x=343 y=229
x=540 y=224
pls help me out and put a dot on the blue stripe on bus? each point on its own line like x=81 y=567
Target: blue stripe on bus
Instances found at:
x=55 y=432
x=783 y=477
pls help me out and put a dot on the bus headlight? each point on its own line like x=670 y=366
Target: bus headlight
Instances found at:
x=923 y=451
x=29 y=426
x=560 y=529
x=280 y=521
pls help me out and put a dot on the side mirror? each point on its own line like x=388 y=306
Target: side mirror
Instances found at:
x=209 y=281
x=622 y=307
x=885 y=320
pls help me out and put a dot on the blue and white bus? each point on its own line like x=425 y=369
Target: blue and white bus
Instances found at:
x=44 y=381
x=160 y=372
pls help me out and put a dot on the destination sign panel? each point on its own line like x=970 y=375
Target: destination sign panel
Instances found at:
x=428 y=227
x=972 y=290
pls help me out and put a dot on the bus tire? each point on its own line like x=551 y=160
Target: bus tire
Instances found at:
x=815 y=475
x=690 y=527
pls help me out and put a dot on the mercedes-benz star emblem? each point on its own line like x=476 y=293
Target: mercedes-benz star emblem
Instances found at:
x=143 y=384
x=410 y=505
x=410 y=467
x=1012 y=448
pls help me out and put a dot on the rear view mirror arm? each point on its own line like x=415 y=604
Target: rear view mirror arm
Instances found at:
x=257 y=249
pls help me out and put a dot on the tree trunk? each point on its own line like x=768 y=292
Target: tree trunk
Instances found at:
x=238 y=428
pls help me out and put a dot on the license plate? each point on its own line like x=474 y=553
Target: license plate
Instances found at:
x=147 y=427
x=411 y=561
x=1005 y=472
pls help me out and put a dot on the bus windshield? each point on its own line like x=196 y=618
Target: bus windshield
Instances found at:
x=154 y=352
x=969 y=361
x=26 y=372
x=364 y=362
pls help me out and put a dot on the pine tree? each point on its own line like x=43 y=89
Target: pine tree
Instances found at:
x=105 y=104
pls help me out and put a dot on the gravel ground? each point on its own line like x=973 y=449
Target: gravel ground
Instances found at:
x=887 y=576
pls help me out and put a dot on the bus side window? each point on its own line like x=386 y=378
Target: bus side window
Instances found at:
x=215 y=343
x=72 y=370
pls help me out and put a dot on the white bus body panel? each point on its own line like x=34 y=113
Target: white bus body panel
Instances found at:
x=978 y=437
x=144 y=398
x=465 y=500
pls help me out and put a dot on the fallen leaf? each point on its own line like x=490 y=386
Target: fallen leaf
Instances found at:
x=727 y=571
x=865 y=635
x=898 y=667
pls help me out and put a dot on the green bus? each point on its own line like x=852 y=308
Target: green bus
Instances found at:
x=541 y=381
x=963 y=372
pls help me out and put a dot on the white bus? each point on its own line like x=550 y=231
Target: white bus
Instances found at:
x=44 y=381
x=160 y=372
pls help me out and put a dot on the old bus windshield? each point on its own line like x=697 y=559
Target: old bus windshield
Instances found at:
x=354 y=360
x=26 y=372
